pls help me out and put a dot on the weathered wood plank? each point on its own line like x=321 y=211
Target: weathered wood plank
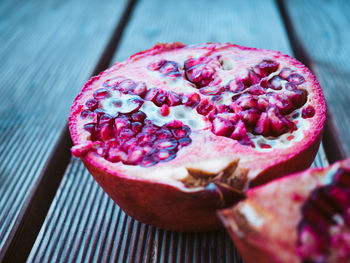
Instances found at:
x=48 y=50
x=87 y=225
x=322 y=29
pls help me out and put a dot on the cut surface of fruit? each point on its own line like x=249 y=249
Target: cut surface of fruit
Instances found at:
x=304 y=216
x=206 y=121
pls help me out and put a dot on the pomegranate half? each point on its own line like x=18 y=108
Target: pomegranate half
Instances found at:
x=176 y=132
x=303 y=217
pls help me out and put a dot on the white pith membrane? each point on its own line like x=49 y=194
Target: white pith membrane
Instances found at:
x=168 y=172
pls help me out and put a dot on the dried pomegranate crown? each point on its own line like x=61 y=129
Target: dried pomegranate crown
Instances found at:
x=194 y=115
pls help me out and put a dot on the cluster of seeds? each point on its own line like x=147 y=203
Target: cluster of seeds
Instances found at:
x=129 y=136
x=259 y=102
x=327 y=208
x=256 y=104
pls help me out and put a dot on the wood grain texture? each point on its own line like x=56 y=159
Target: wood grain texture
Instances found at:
x=322 y=28
x=202 y=21
x=48 y=50
x=83 y=224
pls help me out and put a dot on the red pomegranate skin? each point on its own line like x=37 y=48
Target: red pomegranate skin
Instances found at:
x=265 y=226
x=236 y=143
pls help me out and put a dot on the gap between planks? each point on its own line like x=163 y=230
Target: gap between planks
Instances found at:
x=331 y=143
x=35 y=208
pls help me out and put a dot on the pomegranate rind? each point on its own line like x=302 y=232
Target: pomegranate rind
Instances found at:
x=167 y=203
x=264 y=225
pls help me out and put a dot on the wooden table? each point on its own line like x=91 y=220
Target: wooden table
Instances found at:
x=51 y=209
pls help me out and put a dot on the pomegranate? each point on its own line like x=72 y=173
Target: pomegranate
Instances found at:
x=303 y=217
x=176 y=132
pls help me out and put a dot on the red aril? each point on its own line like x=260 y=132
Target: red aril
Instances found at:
x=303 y=217
x=176 y=132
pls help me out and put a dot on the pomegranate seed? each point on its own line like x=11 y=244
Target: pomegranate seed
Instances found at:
x=121 y=123
x=151 y=94
x=182 y=132
x=266 y=67
x=222 y=127
x=128 y=144
x=136 y=127
x=250 y=117
x=106 y=132
x=262 y=104
x=211 y=90
x=247 y=102
x=135 y=155
x=146 y=138
x=278 y=123
x=253 y=77
x=263 y=125
x=150 y=128
x=140 y=89
x=285 y=72
x=200 y=73
x=85 y=113
x=90 y=127
x=275 y=83
x=236 y=86
x=160 y=99
x=223 y=108
x=308 y=112
x=91 y=104
x=232 y=117
x=296 y=79
x=165 y=155
x=148 y=161
x=282 y=102
x=156 y=65
x=204 y=107
x=105 y=118
x=239 y=132
x=174 y=99
x=164 y=134
x=185 y=141
x=168 y=144
x=126 y=85
x=256 y=90
x=165 y=110
x=116 y=155
x=193 y=100
x=175 y=124
x=170 y=68
x=235 y=107
x=101 y=93
x=126 y=134
x=138 y=116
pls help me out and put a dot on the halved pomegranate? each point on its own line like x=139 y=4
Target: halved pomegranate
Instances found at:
x=176 y=132
x=303 y=217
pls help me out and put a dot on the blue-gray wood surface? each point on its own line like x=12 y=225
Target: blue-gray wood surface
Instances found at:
x=48 y=49
x=323 y=30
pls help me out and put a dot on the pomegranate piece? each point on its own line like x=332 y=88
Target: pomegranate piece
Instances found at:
x=312 y=206
x=193 y=134
x=201 y=71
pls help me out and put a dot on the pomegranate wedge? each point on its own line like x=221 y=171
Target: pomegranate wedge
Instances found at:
x=303 y=217
x=176 y=132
